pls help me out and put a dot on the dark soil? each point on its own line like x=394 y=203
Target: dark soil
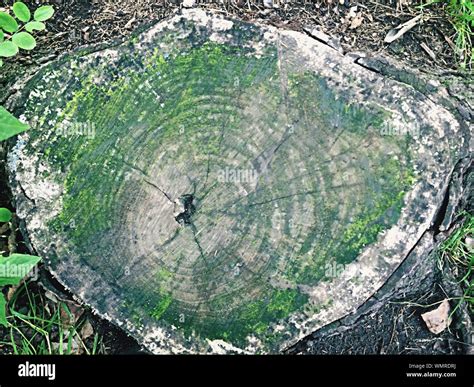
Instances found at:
x=81 y=22
x=391 y=326
x=395 y=327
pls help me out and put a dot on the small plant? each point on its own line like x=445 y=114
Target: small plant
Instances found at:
x=461 y=16
x=12 y=268
x=458 y=252
x=10 y=125
x=16 y=33
x=5 y=215
x=12 y=271
x=41 y=325
x=461 y=13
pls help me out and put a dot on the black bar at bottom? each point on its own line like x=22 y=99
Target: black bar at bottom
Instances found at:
x=162 y=370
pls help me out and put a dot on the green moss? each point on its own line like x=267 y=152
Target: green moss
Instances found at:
x=384 y=212
x=191 y=100
x=387 y=179
x=283 y=303
x=164 y=274
x=161 y=307
x=256 y=317
x=108 y=107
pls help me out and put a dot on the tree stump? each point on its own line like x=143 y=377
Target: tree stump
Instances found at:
x=217 y=186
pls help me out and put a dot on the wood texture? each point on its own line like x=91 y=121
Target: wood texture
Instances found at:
x=212 y=185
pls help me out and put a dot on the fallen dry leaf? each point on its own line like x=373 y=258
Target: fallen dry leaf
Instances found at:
x=70 y=312
x=68 y=347
x=87 y=330
x=428 y=50
x=437 y=320
x=400 y=30
x=11 y=292
x=130 y=23
x=356 y=21
x=51 y=296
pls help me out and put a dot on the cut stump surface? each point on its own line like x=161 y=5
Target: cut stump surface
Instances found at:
x=214 y=186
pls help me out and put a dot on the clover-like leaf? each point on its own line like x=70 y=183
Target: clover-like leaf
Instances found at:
x=21 y=11
x=44 y=13
x=5 y=215
x=15 y=267
x=24 y=40
x=10 y=125
x=34 y=26
x=2 y=36
x=8 y=49
x=8 y=23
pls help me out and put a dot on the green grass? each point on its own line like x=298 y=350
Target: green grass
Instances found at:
x=461 y=15
x=455 y=254
x=37 y=327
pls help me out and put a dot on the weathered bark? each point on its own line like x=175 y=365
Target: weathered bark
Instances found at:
x=213 y=185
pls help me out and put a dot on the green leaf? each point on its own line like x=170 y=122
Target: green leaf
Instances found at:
x=9 y=125
x=16 y=267
x=44 y=13
x=5 y=215
x=34 y=26
x=8 y=49
x=3 y=310
x=24 y=40
x=7 y=22
x=2 y=36
x=21 y=11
